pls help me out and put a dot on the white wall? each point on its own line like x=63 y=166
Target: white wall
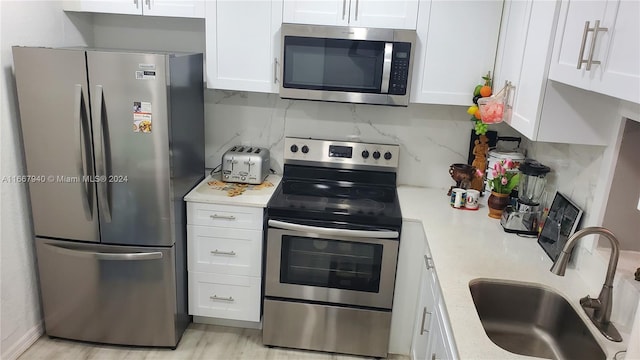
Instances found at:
x=622 y=216
x=35 y=23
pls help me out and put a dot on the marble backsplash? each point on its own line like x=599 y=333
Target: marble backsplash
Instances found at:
x=431 y=137
x=575 y=170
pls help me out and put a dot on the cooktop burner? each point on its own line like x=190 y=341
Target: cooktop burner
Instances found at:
x=338 y=200
x=339 y=190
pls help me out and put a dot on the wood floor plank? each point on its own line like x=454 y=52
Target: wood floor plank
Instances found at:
x=200 y=341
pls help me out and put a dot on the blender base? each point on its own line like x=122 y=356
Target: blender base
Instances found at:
x=519 y=222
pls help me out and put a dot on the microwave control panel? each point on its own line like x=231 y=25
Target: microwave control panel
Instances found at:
x=400 y=68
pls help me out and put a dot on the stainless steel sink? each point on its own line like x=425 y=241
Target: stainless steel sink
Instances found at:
x=530 y=320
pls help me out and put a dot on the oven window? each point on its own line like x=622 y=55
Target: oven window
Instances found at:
x=331 y=263
x=333 y=64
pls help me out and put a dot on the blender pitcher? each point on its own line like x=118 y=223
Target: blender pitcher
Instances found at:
x=532 y=182
x=524 y=216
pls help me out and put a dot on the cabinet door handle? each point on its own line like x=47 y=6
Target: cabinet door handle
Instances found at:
x=275 y=70
x=218 y=252
x=225 y=217
x=582 y=45
x=344 y=8
x=148 y=4
x=136 y=3
x=357 y=2
x=433 y=356
x=596 y=29
x=216 y=297
x=424 y=317
x=427 y=262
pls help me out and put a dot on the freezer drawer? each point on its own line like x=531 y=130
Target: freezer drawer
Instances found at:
x=108 y=294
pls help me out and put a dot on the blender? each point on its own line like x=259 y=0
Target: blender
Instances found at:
x=523 y=217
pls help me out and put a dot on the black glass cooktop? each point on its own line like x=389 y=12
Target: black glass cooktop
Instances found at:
x=348 y=196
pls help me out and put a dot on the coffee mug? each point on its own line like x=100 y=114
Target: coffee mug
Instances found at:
x=471 y=201
x=458 y=197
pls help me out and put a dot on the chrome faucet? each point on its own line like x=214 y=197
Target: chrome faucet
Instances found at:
x=598 y=310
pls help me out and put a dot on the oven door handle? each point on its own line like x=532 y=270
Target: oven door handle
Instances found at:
x=378 y=234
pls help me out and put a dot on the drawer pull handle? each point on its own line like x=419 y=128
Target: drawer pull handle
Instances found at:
x=225 y=217
x=216 y=297
x=218 y=252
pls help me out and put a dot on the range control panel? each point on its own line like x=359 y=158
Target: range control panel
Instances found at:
x=349 y=154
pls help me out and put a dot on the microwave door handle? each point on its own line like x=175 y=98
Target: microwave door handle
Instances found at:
x=386 y=68
x=380 y=234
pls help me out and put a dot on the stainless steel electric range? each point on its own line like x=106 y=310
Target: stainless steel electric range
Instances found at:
x=332 y=248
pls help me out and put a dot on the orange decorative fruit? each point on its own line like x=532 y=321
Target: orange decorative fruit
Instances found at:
x=485 y=91
x=477 y=115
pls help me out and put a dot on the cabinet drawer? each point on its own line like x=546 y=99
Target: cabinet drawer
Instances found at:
x=224 y=296
x=237 y=217
x=224 y=251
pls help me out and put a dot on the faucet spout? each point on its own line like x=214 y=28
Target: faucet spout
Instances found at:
x=598 y=310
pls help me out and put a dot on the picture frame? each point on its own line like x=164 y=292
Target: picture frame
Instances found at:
x=561 y=222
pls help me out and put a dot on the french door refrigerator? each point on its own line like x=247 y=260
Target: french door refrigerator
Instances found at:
x=113 y=140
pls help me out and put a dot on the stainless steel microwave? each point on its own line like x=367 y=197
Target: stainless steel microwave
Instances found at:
x=346 y=64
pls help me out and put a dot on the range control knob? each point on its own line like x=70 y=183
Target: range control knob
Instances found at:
x=294 y=148
x=305 y=149
x=387 y=156
x=376 y=154
x=365 y=154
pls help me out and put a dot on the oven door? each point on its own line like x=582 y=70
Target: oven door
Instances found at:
x=337 y=266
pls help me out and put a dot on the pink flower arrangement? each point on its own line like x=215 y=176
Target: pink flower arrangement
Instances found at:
x=505 y=176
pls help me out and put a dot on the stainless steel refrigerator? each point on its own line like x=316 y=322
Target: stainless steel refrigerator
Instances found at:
x=113 y=140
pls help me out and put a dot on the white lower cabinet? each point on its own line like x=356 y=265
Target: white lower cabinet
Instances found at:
x=432 y=338
x=224 y=296
x=224 y=261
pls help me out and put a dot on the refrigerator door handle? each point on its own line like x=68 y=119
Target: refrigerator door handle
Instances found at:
x=82 y=154
x=107 y=256
x=101 y=157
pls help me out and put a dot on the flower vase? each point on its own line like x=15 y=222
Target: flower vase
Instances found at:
x=497 y=203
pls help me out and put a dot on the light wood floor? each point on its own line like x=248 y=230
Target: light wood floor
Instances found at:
x=200 y=341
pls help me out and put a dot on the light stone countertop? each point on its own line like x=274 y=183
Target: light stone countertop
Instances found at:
x=254 y=196
x=468 y=245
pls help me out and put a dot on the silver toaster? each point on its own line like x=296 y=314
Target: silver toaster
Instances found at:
x=245 y=164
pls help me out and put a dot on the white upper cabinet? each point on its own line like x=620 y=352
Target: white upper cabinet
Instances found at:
x=597 y=47
x=456 y=46
x=172 y=8
x=523 y=59
x=177 y=8
x=397 y=14
x=243 y=44
x=384 y=14
x=545 y=110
